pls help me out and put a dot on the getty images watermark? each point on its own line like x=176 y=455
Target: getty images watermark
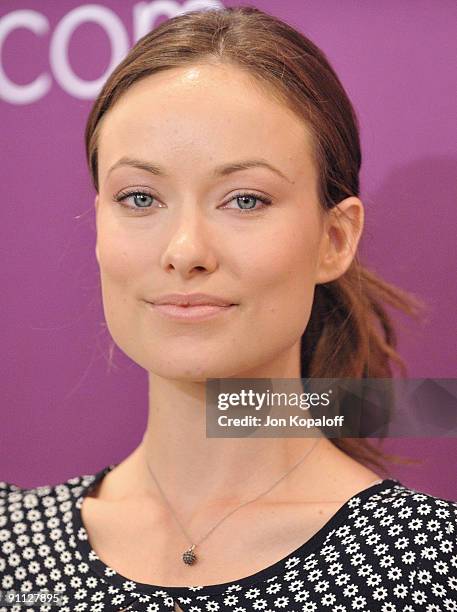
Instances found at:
x=32 y=598
x=334 y=407
x=257 y=401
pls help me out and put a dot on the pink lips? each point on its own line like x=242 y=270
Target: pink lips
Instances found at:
x=191 y=299
x=190 y=313
x=190 y=306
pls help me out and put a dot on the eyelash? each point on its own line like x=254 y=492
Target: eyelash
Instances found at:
x=124 y=195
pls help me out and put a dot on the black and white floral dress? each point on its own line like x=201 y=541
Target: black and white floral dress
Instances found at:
x=389 y=548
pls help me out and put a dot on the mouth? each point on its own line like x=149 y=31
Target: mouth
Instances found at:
x=198 y=312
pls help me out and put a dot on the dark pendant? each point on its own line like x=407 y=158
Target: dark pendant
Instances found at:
x=189 y=556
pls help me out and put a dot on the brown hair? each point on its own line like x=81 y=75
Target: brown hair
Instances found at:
x=349 y=334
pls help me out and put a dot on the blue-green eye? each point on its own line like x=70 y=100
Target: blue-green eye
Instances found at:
x=143 y=201
x=245 y=200
x=140 y=198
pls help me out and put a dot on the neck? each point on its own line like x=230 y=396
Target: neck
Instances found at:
x=196 y=471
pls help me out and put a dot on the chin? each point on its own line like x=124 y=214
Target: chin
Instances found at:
x=194 y=371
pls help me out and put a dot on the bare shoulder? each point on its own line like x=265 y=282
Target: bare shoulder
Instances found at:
x=334 y=475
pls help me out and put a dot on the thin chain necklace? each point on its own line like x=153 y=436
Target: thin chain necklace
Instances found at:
x=189 y=557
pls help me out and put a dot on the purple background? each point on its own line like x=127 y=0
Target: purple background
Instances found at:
x=64 y=413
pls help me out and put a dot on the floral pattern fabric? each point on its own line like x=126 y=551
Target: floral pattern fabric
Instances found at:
x=389 y=548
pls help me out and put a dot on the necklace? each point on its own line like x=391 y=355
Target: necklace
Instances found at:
x=189 y=557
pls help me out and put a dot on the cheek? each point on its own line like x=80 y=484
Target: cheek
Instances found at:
x=280 y=279
x=120 y=256
x=120 y=263
x=282 y=268
x=116 y=267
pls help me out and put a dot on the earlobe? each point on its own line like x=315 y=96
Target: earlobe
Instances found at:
x=343 y=229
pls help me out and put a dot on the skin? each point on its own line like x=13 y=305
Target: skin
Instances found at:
x=194 y=238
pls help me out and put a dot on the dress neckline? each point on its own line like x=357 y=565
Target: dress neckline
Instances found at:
x=111 y=576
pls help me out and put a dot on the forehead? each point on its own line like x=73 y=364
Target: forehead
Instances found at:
x=203 y=115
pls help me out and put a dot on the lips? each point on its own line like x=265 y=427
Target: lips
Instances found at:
x=191 y=300
x=197 y=312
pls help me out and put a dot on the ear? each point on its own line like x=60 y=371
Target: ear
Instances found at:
x=96 y=204
x=343 y=227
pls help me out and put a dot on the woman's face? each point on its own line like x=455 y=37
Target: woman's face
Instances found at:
x=188 y=232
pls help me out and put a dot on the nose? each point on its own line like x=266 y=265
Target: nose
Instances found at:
x=188 y=248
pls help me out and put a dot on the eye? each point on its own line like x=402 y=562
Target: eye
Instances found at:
x=143 y=201
x=140 y=198
x=245 y=200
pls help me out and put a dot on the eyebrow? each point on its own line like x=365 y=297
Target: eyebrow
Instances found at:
x=218 y=171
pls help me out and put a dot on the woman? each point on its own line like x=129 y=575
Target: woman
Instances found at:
x=225 y=156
